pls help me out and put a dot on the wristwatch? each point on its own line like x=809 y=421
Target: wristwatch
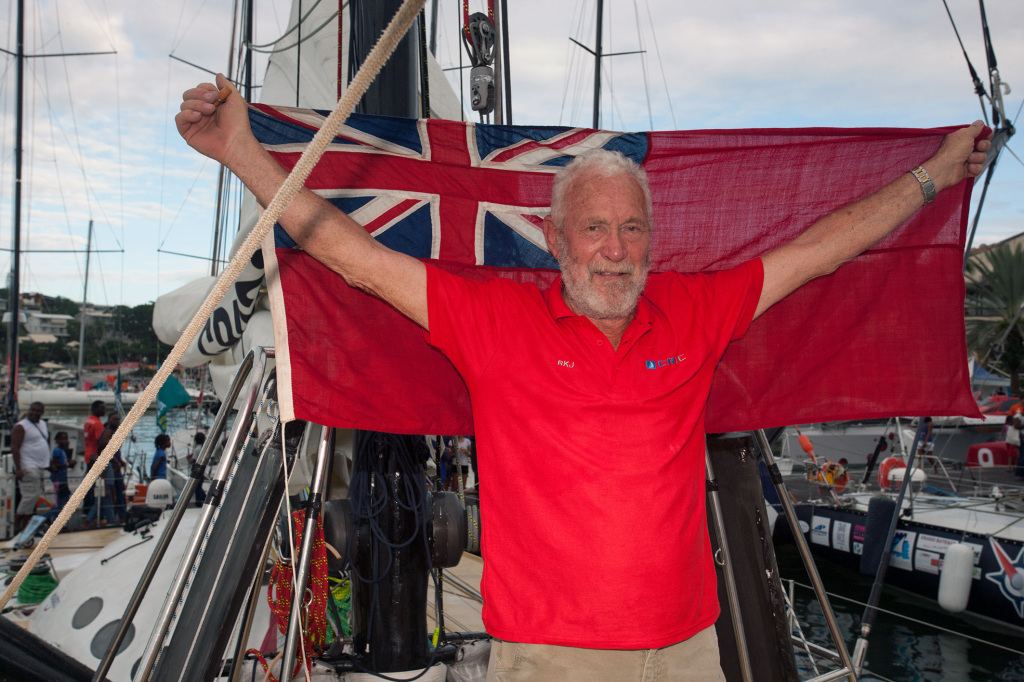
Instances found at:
x=927 y=186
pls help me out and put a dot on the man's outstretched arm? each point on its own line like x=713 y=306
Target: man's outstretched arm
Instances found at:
x=843 y=235
x=222 y=133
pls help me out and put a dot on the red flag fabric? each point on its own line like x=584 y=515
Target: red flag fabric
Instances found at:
x=882 y=336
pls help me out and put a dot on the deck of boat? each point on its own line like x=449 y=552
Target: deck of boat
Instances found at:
x=461 y=596
x=68 y=550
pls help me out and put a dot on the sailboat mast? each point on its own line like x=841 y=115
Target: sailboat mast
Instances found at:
x=597 y=64
x=222 y=179
x=14 y=293
x=85 y=297
x=247 y=90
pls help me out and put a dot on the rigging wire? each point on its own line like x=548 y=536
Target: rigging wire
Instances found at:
x=182 y=34
x=570 y=57
x=661 y=66
x=78 y=140
x=27 y=203
x=609 y=74
x=60 y=186
x=163 y=175
x=581 y=77
x=614 y=102
x=643 y=63
x=184 y=202
x=979 y=87
x=327 y=22
x=120 y=146
x=930 y=624
x=102 y=26
x=293 y=28
x=1006 y=147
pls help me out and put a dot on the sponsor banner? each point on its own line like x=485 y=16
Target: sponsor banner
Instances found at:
x=939 y=545
x=858 y=539
x=933 y=543
x=927 y=561
x=903 y=550
x=841 y=535
x=819 y=530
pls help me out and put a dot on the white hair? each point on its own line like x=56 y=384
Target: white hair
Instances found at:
x=603 y=163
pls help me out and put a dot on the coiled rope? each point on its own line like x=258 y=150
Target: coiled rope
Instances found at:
x=279 y=597
x=357 y=88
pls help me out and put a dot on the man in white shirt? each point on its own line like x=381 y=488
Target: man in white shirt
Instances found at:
x=30 y=447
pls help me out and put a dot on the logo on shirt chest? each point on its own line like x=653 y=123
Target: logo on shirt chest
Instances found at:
x=667 y=362
x=568 y=364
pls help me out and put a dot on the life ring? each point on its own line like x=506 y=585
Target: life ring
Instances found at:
x=888 y=464
x=835 y=475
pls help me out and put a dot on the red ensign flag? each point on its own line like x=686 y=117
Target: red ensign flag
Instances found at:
x=882 y=336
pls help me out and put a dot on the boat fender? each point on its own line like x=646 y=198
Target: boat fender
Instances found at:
x=806 y=445
x=888 y=464
x=956 y=576
x=876 y=530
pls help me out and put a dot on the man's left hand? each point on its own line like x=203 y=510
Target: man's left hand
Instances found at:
x=961 y=155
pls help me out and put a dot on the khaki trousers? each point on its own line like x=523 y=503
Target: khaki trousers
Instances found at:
x=694 y=659
x=32 y=484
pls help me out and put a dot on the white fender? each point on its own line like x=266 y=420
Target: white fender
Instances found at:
x=956 y=576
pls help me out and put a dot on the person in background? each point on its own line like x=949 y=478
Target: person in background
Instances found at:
x=472 y=461
x=447 y=464
x=200 y=440
x=1014 y=435
x=60 y=461
x=93 y=429
x=30 y=449
x=114 y=474
x=99 y=505
x=463 y=459
x=926 y=448
x=159 y=467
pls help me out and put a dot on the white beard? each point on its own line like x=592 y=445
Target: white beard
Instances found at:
x=606 y=303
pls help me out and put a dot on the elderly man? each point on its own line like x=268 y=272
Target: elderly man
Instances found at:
x=602 y=570
x=30 y=448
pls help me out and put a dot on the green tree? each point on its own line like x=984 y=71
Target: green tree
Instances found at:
x=995 y=295
x=63 y=306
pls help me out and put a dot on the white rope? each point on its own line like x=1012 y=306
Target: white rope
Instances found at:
x=357 y=88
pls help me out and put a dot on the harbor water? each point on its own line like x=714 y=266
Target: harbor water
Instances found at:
x=912 y=640
x=138 y=448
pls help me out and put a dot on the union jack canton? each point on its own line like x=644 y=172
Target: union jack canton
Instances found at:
x=445 y=190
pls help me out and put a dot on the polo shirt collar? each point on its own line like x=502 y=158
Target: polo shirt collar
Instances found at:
x=560 y=309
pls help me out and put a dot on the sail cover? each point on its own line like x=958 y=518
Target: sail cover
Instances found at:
x=882 y=336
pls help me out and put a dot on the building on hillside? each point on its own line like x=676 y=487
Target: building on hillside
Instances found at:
x=46 y=324
x=33 y=301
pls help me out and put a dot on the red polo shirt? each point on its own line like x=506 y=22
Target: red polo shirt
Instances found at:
x=593 y=458
x=93 y=429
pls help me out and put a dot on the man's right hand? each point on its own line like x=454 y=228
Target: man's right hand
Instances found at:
x=333 y=238
x=220 y=132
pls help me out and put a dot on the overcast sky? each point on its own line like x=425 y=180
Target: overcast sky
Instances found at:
x=100 y=144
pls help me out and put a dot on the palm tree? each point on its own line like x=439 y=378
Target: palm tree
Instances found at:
x=995 y=305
